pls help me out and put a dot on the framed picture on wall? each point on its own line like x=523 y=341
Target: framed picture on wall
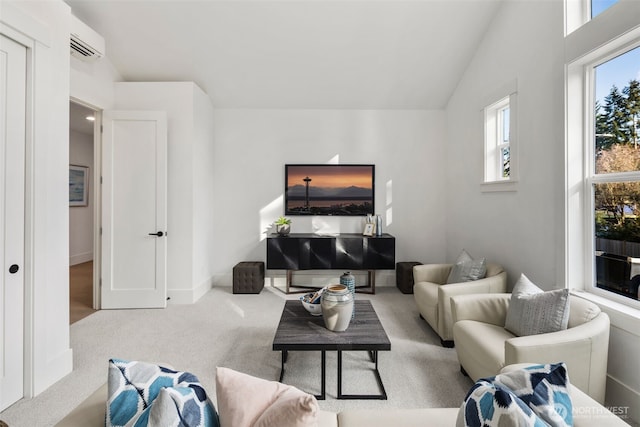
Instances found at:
x=78 y=185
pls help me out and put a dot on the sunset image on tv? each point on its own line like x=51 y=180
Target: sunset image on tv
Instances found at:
x=329 y=189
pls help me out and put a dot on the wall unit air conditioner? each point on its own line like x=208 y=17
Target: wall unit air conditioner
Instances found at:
x=86 y=44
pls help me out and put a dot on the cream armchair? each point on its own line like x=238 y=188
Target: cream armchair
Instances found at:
x=484 y=346
x=433 y=295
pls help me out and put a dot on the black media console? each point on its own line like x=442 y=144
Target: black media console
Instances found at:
x=344 y=251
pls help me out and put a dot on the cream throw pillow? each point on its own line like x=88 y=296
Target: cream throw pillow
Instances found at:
x=247 y=401
x=533 y=311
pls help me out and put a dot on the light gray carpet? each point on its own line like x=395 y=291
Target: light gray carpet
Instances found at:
x=236 y=331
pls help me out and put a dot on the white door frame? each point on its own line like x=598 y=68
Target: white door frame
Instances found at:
x=96 y=198
x=28 y=31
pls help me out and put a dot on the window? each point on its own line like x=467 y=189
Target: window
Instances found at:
x=602 y=179
x=499 y=144
x=599 y=6
x=614 y=173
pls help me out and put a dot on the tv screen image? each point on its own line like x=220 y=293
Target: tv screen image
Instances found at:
x=329 y=189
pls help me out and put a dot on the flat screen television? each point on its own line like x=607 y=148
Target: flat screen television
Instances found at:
x=329 y=189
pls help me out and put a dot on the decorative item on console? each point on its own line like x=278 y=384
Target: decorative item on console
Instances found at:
x=283 y=225
x=337 y=307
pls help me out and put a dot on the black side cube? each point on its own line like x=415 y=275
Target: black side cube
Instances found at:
x=404 y=276
x=248 y=277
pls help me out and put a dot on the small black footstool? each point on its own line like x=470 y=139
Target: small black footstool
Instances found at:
x=248 y=277
x=404 y=276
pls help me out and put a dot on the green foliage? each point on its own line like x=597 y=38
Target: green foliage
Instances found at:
x=282 y=221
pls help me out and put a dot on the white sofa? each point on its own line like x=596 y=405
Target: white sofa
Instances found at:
x=484 y=346
x=587 y=412
x=433 y=295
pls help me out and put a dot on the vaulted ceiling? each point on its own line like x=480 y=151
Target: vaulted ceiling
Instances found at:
x=360 y=54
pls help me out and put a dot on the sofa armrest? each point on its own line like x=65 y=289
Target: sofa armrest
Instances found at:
x=584 y=348
x=487 y=308
x=433 y=273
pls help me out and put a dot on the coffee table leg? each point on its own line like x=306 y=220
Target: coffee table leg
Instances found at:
x=323 y=372
x=376 y=372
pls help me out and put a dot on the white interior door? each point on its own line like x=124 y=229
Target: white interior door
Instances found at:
x=13 y=74
x=134 y=209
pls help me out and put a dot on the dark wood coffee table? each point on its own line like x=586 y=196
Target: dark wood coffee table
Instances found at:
x=300 y=331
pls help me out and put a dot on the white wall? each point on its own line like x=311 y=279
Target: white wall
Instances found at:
x=81 y=217
x=203 y=176
x=189 y=134
x=45 y=27
x=517 y=229
x=524 y=230
x=252 y=147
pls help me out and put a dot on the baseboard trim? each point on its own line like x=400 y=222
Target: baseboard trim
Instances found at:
x=622 y=400
x=189 y=296
x=81 y=258
x=53 y=371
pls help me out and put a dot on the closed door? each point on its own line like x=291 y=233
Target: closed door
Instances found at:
x=134 y=209
x=13 y=72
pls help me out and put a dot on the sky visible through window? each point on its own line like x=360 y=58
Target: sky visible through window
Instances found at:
x=618 y=71
x=598 y=6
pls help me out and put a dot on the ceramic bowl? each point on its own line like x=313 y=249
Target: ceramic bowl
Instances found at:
x=314 y=309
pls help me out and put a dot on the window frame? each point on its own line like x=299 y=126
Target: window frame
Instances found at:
x=581 y=176
x=492 y=179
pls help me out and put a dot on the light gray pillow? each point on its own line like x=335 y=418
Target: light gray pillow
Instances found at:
x=467 y=269
x=533 y=311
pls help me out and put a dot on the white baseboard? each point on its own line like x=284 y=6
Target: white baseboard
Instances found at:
x=53 y=371
x=80 y=258
x=622 y=401
x=189 y=296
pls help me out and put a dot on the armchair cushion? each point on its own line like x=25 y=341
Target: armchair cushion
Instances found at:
x=533 y=311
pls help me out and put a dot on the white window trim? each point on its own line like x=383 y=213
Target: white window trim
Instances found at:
x=493 y=101
x=584 y=50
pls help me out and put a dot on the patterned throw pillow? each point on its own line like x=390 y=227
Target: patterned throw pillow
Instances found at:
x=534 y=396
x=466 y=269
x=545 y=389
x=491 y=405
x=145 y=394
x=532 y=311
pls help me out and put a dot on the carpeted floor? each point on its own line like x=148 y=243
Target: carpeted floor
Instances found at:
x=236 y=331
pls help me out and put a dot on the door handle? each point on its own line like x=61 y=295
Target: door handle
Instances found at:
x=14 y=269
x=159 y=234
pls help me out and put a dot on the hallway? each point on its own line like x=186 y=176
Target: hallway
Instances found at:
x=80 y=291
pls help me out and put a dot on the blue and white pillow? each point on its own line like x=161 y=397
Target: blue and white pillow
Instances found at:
x=545 y=389
x=491 y=405
x=534 y=396
x=145 y=394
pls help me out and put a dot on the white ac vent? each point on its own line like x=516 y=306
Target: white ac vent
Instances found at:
x=86 y=44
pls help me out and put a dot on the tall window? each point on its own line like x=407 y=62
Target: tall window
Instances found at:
x=497 y=141
x=614 y=176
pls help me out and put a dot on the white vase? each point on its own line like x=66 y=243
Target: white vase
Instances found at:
x=337 y=307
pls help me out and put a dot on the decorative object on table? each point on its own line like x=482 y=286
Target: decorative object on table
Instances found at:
x=311 y=302
x=369 y=226
x=78 y=185
x=283 y=225
x=349 y=280
x=378 y=225
x=337 y=307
